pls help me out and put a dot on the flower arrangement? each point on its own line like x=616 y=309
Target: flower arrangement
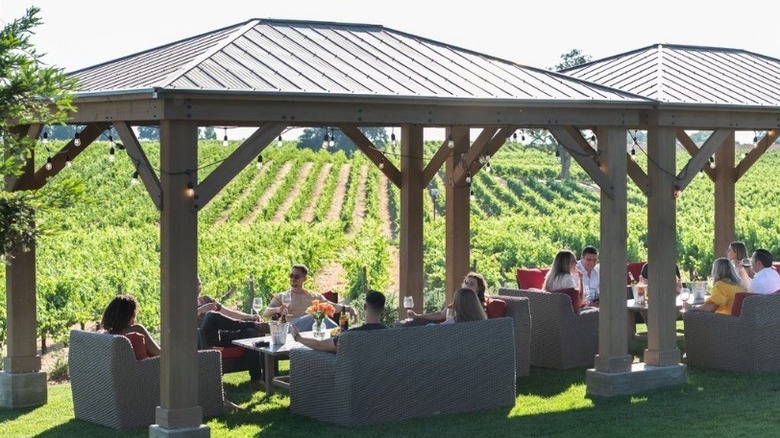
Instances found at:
x=319 y=310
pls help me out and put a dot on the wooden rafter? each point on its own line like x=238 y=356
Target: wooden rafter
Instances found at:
x=467 y=159
x=692 y=149
x=375 y=155
x=238 y=160
x=141 y=162
x=497 y=137
x=752 y=156
x=571 y=138
x=700 y=158
x=438 y=160
x=68 y=152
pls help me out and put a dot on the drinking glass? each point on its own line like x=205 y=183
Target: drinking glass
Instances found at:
x=685 y=296
x=746 y=262
x=257 y=305
x=450 y=314
x=408 y=303
x=286 y=300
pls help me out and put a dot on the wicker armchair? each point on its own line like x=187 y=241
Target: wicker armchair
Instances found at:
x=402 y=373
x=110 y=387
x=518 y=309
x=559 y=338
x=747 y=343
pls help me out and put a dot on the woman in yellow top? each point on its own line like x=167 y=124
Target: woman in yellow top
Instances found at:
x=726 y=284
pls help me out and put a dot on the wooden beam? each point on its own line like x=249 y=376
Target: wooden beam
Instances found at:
x=753 y=156
x=25 y=181
x=692 y=149
x=699 y=160
x=237 y=161
x=436 y=162
x=636 y=174
x=411 y=232
x=372 y=153
x=613 y=354
x=661 y=249
x=178 y=277
x=571 y=138
x=487 y=143
x=457 y=220
x=708 y=119
x=725 y=195
x=141 y=162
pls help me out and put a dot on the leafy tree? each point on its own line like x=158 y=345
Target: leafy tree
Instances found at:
x=572 y=59
x=312 y=138
x=30 y=93
x=148 y=133
x=207 y=133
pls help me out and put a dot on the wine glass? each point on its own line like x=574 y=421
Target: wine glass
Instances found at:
x=450 y=314
x=286 y=300
x=408 y=303
x=746 y=262
x=257 y=305
x=685 y=296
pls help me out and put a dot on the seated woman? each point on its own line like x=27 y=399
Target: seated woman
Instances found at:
x=736 y=253
x=726 y=284
x=563 y=273
x=466 y=306
x=119 y=319
x=473 y=281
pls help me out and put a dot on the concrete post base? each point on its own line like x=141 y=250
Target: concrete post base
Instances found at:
x=21 y=390
x=202 y=431
x=641 y=378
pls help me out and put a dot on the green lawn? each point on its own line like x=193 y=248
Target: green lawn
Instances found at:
x=549 y=403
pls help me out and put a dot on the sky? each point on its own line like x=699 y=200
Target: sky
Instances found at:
x=81 y=33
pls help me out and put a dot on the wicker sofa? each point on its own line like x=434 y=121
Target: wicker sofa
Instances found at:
x=747 y=343
x=519 y=310
x=559 y=338
x=110 y=387
x=402 y=373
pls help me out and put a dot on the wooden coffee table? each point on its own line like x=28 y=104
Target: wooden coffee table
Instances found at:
x=270 y=355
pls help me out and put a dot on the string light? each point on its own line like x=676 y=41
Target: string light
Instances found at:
x=522 y=135
x=677 y=191
x=471 y=196
x=712 y=162
x=49 y=164
x=134 y=179
x=450 y=142
x=225 y=138
x=279 y=142
x=468 y=177
x=325 y=139
x=701 y=173
x=514 y=136
x=487 y=167
x=76 y=139
x=393 y=141
x=111 y=154
x=755 y=140
x=382 y=163
x=45 y=137
x=67 y=161
x=332 y=141
x=557 y=155
x=743 y=156
x=259 y=164
x=190 y=189
x=111 y=141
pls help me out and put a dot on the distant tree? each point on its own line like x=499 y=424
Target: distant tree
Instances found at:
x=59 y=132
x=312 y=138
x=207 y=133
x=572 y=59
x=31 y=92
x=148 y=133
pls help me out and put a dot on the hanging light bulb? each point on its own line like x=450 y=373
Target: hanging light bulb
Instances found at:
x=468 y=177
x=557 y=155
x=487 y=167
x=332 y=140
x=450 y=142
x=677 y=192
x=67 y=161
x=743 y=156
x=111 y=141
x=514 y=136
x=259 y=164
x=593 y=139
x=190 y=189
x=279 y=142
x=755 y=141
x=393 y=141
x=76 y=139
x=49 y=165
x=134 y=179
x=225 y=142
x=382 y=163
x=701 y=173
x=522 y=135
x=712 y=163
x=111 y=154
x=471 y=196
x=45 y=137
x=325 y=139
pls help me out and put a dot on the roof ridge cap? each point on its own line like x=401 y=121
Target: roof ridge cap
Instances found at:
x=208 y=53
x=659 y=57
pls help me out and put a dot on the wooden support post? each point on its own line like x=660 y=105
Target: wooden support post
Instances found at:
x=661 y=252
x=178 y=264
x=725 y=182
x=411 y=235
x=613 y=354
x=457 y=215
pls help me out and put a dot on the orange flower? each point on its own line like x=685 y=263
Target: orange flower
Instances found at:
x=319 y=310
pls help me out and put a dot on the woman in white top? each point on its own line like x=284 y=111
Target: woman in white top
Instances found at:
x=563 y=274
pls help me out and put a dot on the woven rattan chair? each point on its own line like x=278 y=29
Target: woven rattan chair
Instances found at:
x=747 y=343
x=110 y=387
x=559 y=338
x=402 y=373
x=519 y=310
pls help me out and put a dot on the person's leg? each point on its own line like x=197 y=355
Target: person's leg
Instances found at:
x=213 y=322
x=253 y=360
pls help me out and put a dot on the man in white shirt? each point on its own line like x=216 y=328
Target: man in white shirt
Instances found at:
x=589 y=268
x=766 y=280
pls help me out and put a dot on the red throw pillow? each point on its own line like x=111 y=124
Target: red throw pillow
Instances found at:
x=530 y=278
x=496 y=308
x=230 y=352
x=330 y=296
x=736 y=308
x=635 y=268
x=574 y=294
x=138 y=341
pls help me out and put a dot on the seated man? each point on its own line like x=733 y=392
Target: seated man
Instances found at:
x=373 y=308
x=766 y=280
x=295 y=300
x=220 y=326
x=589 y=270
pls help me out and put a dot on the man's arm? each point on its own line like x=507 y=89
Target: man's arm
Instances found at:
x=275 y=306
x=315 y=344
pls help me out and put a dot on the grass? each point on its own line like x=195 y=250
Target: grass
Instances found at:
x=549 y=403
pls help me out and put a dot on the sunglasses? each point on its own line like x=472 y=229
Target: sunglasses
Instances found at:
x=295 y=276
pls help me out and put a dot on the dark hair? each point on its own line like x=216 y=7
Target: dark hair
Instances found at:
x=763 y=256
x=375 y=301
x=590 y=250
x=740 y=249
x=301 y=268
x=117 y=316
x=481 y=285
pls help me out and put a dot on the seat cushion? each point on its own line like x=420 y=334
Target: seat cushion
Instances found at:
x=736 y=308
x=574 y=294
x=530 y=278
x=231 y=352
x=496 y=308
x=138 y=341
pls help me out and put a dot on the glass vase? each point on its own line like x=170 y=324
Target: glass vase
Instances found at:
x=319 y=328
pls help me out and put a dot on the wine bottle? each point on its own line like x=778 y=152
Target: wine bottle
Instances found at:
x=344 y=319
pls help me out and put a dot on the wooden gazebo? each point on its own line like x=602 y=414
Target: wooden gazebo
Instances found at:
x=272 y=74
